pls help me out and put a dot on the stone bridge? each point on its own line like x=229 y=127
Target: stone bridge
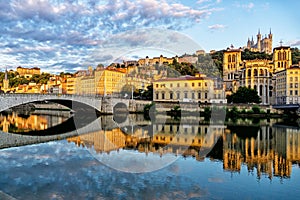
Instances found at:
x=75 y=102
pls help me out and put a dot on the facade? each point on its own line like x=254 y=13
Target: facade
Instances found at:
x=28 y=72
x=5 y=86
x=258 y=74
x=232 y=64
x=197 y=88
x=282 y=58
x=156 y=60
x=263 y=44
x=287 y=85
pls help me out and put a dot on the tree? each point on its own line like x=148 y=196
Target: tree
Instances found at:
x=244 y=95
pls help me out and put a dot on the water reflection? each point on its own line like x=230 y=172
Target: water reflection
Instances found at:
x=14 y=122
x=268 y=148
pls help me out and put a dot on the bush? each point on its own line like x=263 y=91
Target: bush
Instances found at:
x=256 y=109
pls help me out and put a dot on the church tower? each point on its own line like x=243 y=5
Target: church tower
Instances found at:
x=258 y=40
x=282 y=58
x=5 y=82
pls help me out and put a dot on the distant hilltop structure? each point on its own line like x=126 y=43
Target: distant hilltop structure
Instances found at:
x=263 y=44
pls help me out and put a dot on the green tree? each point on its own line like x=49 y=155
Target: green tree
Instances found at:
x=244 y=95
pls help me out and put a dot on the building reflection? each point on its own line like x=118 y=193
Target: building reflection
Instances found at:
x=267 y=149
x=14 y=122
x=271 y=150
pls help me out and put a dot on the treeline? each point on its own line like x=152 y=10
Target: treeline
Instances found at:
x=15 y=79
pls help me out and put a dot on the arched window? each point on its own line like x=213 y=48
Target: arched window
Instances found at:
x=255 y=72
x=249 y=72
x=233 y=58
x=279 y=64
x=284 y=55
x=261 y=72
x=255 y=87
x=266 y=72
x=229 y=58
x=228 y=76
x=279 y=56
x=260 y=90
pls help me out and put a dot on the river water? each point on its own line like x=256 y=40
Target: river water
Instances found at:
x=185 y=158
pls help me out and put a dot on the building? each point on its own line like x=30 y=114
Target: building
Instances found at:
x=256 y=74
x=5 y=86
x=28 y=72
x=197 y=88
x=232 y=64
x=282 y=58
x=156 y=60
x=287 y=85
x=263 y=44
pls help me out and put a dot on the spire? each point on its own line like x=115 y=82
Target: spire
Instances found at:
x=270 y=31
x=259 y=31
x=5 y=77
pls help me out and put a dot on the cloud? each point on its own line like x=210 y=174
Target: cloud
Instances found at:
x=294 y=43
x=43 y=32
x=217 y=27
x=248 y=6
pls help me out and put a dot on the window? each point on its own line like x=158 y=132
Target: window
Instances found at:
x=193 y=95
x=157 y=95
x=205 y=95
x=296 y=85
x=178 y=84
x=291 y=78
x=199 y=84
x=199 y=95
x=291 y=85
x=291 y=92
x=193 y=84
x=163 y=95
x=171 y=95
x=156 y=85
x=178 y=95
x=171 y=85
x=205 y=84
x=185 y=95
x=296 y=92
x=296 y=79
x=185 y=85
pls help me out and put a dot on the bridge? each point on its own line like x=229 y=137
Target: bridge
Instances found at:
x=292 y=108
x=74 y=102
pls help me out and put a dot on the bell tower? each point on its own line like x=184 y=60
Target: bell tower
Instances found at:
x=5 y=82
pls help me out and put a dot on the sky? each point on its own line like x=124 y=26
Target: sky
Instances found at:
x=69 y=35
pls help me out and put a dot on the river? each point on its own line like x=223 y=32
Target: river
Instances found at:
x=186 y=158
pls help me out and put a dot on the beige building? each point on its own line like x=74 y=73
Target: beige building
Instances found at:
x=282 y=58
x=28 y=72
x=197 y=88
x=287 y=85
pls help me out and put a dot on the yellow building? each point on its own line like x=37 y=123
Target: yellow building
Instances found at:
x=71 y=83
x=109 y=80
x=287 y=85
x=257 y=74
x=232 y=65
x=282 y=58
x=197 y=88
x=28 y=72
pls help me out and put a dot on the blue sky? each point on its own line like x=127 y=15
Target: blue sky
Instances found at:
x=67 y=35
